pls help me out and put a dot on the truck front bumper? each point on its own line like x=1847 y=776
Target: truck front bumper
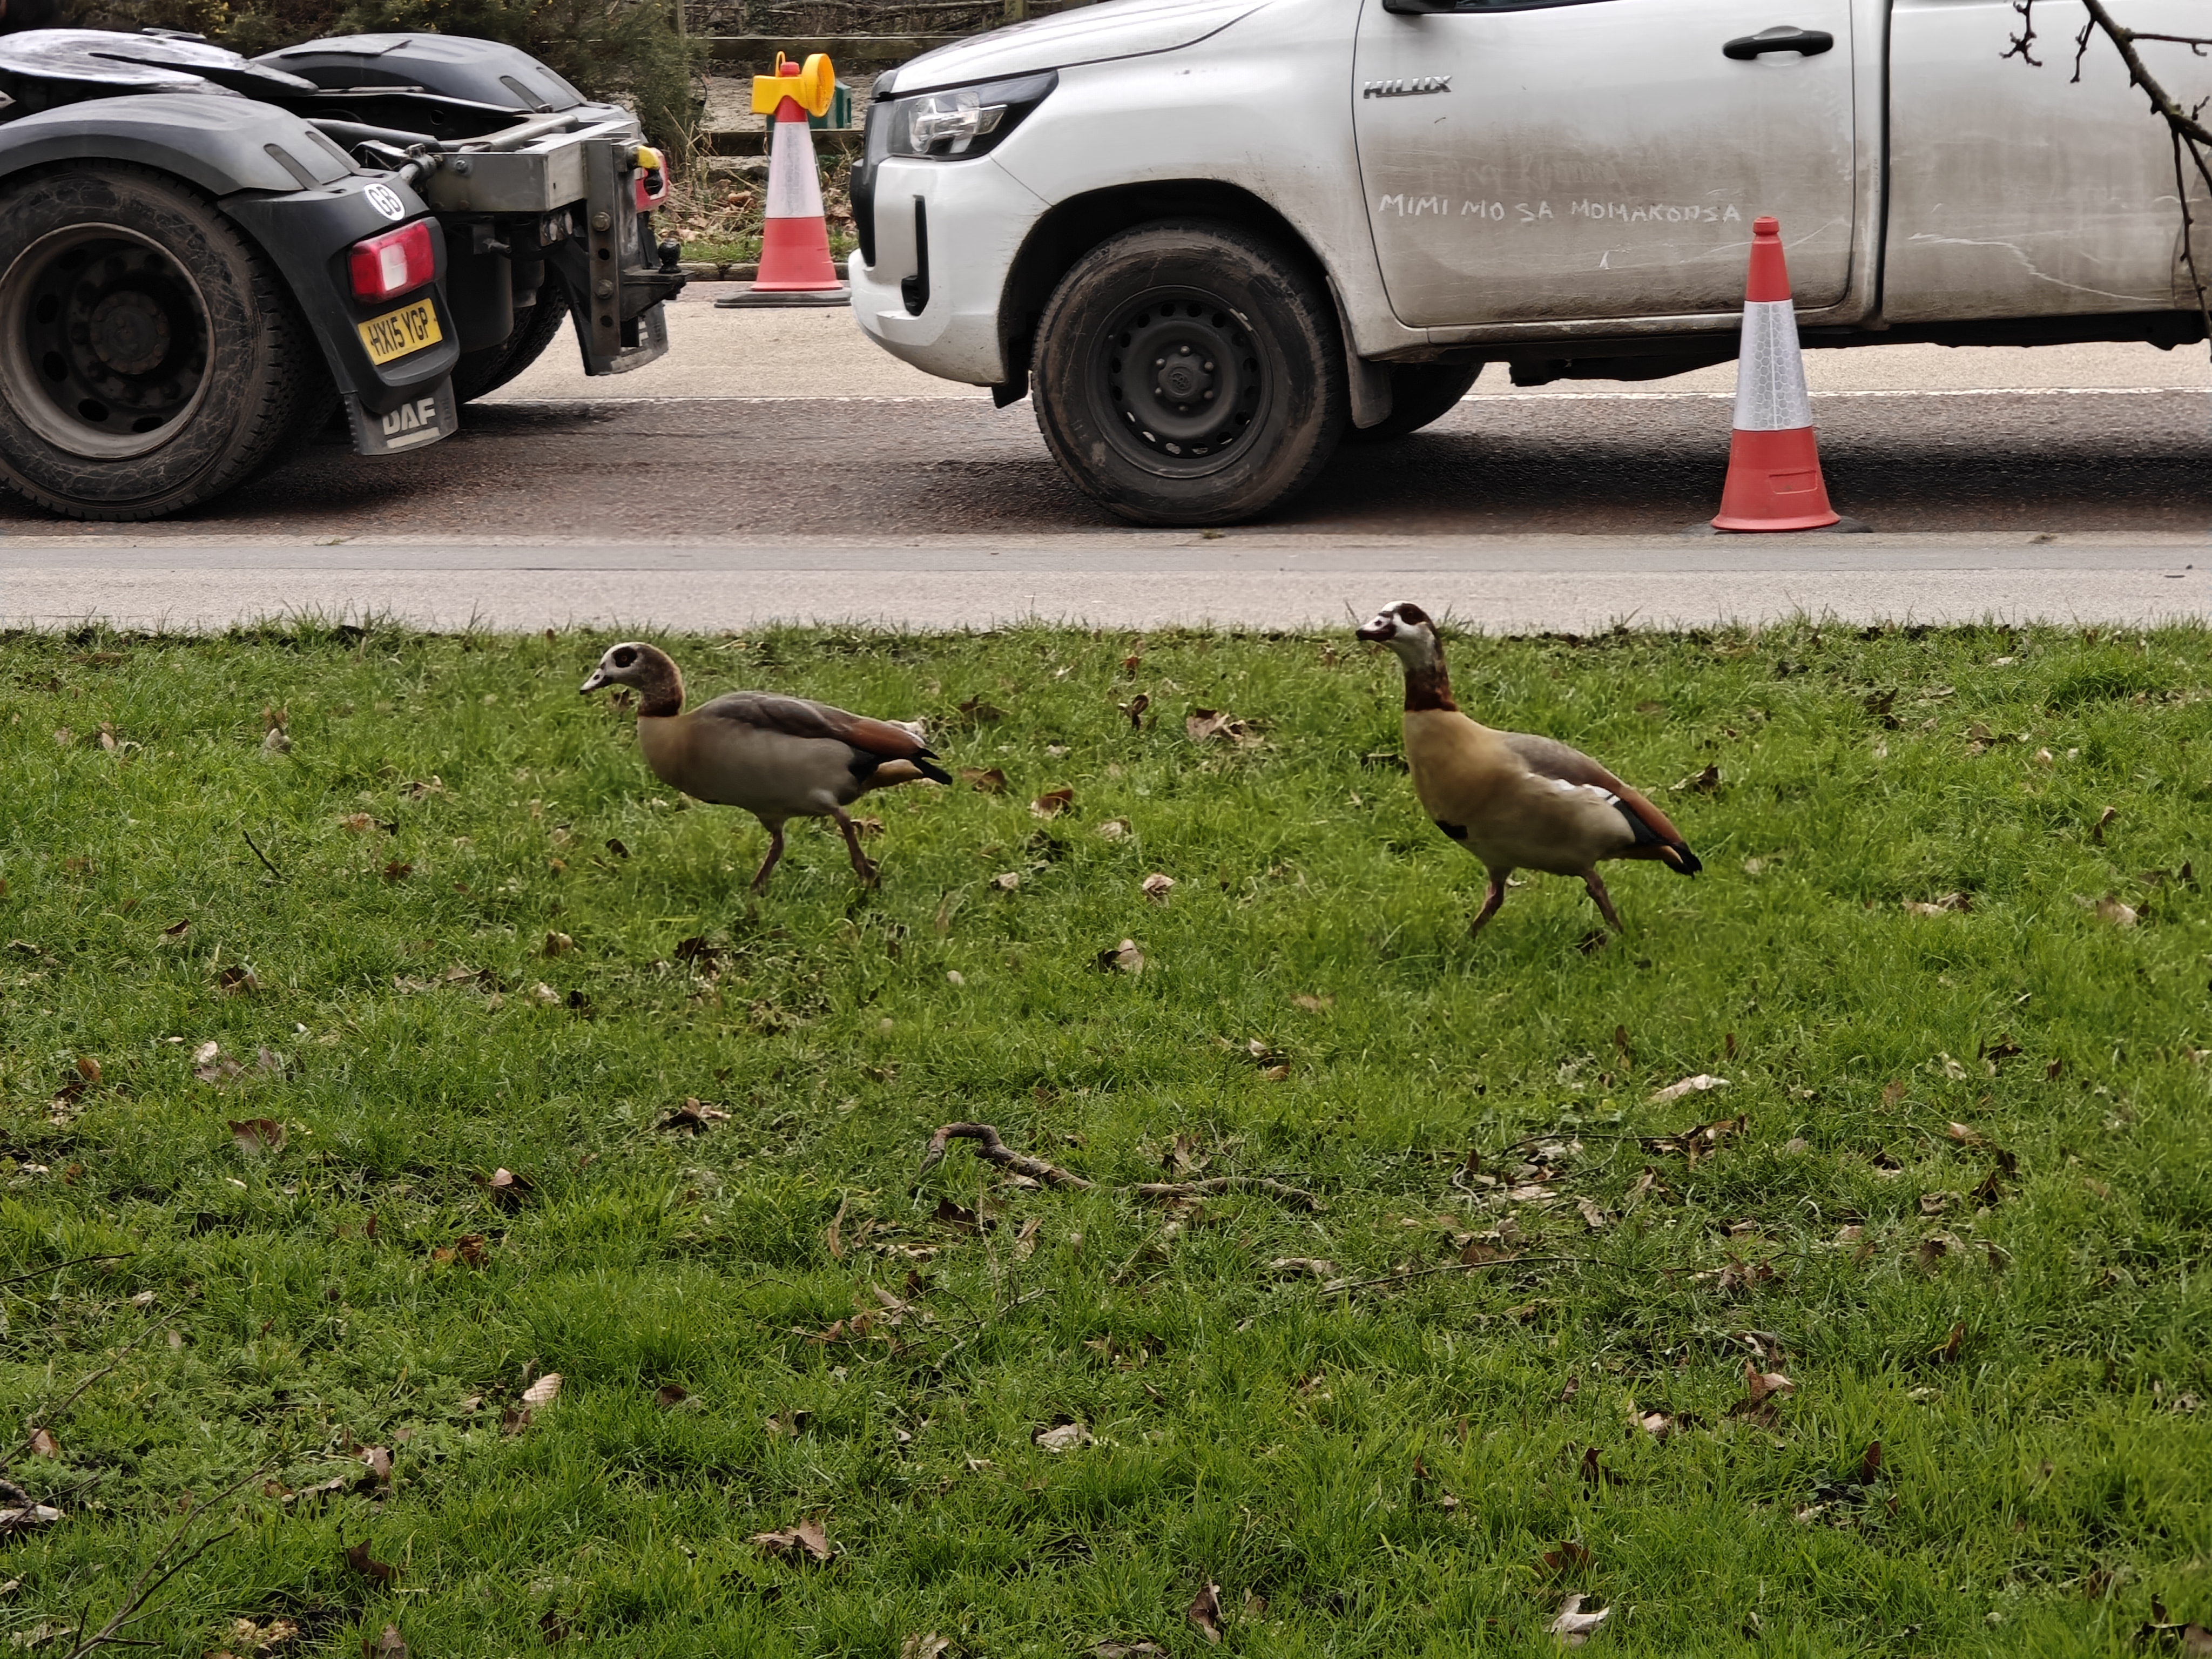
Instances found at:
x=946 y=235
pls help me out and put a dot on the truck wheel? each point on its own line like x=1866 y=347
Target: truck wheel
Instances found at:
x=1189 y=374
x=479 y=374
x=1420 y=393
x=150 y=356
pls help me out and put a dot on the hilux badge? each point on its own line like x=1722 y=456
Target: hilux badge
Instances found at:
x=1414 y=89
x=386 y=201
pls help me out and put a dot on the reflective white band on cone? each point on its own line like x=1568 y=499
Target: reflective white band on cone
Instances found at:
x=794 y=188
x=1769 y=375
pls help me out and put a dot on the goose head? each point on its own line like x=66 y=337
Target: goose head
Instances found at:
x=1406 y=630
x=647 y=669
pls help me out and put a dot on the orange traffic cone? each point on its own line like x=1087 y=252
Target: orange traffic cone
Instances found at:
x=795 y=268
x=1774 y=468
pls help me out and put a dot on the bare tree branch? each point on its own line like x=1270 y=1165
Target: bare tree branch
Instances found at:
x=2185 y=126
x=55 y=1268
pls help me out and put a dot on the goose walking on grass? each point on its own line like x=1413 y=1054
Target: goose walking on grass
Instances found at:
x=778 y=757
x=1515 y=801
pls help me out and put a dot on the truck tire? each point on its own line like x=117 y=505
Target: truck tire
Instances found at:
x=479 y=374
x=1189 y=374
x=1420 y=393
x=150 y=356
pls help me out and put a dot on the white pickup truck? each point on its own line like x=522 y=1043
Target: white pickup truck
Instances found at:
x=1214 y=237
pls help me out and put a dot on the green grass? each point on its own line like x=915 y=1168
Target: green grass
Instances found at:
x=2042 y=1478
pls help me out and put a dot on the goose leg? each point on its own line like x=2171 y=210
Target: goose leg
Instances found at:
x=1491 y=901
x=861 y=867
x=774 y=852
x=1597 y=885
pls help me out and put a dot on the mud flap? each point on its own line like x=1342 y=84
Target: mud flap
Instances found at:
x=418 y=422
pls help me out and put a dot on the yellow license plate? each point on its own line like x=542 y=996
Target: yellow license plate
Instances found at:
x=396 y=333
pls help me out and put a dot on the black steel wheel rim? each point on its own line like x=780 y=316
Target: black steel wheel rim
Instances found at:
x=1181 y=381
x=104 y=341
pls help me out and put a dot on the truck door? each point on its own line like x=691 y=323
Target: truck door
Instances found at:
x=1543 y=160
x=2019 y=191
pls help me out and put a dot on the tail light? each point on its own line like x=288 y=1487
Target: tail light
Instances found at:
x=392 y=262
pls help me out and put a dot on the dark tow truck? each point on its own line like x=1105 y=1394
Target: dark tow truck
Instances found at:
x=203 y=255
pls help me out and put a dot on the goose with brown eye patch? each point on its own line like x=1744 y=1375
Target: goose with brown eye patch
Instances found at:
x=1514 y=800
x=778 y=757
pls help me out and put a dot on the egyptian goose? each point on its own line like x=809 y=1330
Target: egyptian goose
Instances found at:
x=1517 y=802
x=778 y=757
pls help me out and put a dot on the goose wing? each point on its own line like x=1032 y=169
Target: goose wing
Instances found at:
x=1548 y=757
x=799 y=717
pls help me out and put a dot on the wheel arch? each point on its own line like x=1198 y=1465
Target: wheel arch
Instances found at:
x=1070 y=230
x=221 y=145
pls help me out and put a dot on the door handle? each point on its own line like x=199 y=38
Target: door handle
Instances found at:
x=1805 y=43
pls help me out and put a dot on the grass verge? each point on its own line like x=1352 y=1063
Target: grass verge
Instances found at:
x=1960 y=1194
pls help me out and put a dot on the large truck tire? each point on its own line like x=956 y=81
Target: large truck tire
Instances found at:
x=1420 y=394
x=150 y=355
x=479 y=374
x=1189 y=374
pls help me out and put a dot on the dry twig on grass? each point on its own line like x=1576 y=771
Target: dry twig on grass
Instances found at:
x=990 y=1146
x=154 y=1575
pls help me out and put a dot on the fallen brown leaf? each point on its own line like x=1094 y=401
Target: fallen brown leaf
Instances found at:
x=806 y=1540
x=924 y=1647
x=1762 y=1386
x=1025 y=1239
x=1205 y=1612
x=386 y=1644
x=985 y=780
x=45 y=1445
x=1697 y=1084
x=1570 y=1557
x=1301 y=1266
x=360 y=1558
x=1701 y=783
x=1062 y=1437
x=542 y=1393
x=256 y=1135
x=1157 y=887
x=693 y=1116
x=1052 y=803
x=1124 y=957
x=1573 y=1626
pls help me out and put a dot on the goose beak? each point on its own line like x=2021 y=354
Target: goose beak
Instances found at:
x=598 y=678
x=1376 y=631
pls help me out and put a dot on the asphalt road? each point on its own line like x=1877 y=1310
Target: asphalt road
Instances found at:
x=715 y=489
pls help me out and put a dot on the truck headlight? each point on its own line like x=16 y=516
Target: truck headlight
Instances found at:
x=961 y=122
